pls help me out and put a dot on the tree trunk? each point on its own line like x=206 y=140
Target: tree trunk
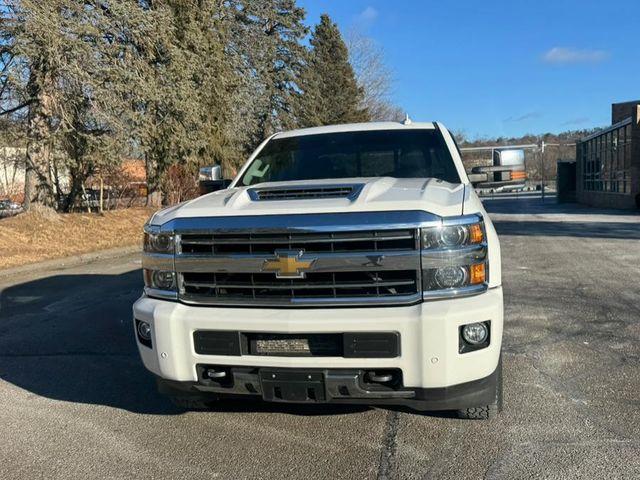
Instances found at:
x=154 y=196
x=38 y=184
x=28 y=186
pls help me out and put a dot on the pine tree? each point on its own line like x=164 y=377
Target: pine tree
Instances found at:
x=268 y=40
x=179 y=83
x=183 y=84
x=331 y=94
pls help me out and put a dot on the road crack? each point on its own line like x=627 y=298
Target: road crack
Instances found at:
x=387 y=467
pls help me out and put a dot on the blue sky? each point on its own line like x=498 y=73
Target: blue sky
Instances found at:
x=502 y=68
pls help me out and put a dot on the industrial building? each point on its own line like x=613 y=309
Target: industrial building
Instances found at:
x=608 y=162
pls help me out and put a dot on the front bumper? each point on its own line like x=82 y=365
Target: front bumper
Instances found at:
x=345 y=387
x=429 y=336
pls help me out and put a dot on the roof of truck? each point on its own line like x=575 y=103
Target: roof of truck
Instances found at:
x=356 y=127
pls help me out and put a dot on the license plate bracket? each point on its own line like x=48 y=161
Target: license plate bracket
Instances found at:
x=299 y=386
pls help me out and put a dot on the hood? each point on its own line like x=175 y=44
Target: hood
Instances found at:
x=370 y=195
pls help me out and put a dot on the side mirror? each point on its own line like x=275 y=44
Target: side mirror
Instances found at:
x=210 y=180
x=211 y=172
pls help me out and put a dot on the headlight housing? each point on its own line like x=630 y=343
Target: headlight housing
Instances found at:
x=451 y=236
x=160 y=279
x=454 y=258
x=450 y=276
x=159 y=242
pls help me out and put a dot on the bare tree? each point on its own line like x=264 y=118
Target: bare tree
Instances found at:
x=374 y=77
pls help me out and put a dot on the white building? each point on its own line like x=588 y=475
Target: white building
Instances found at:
x=12 y=172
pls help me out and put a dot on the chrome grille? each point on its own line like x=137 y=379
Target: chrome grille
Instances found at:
x=305 y=192
x=348 y=268
x=267 y=243
x=264 y=286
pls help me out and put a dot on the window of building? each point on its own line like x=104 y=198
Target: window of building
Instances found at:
x=605 y=161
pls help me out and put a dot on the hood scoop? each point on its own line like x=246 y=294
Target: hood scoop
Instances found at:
x=306 y=192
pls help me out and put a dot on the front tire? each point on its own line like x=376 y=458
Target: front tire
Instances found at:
x=486 y=412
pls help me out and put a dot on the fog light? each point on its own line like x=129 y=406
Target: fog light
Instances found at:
x=144 y=330
x=450 y=277
x=162 y=279
x=475 y=333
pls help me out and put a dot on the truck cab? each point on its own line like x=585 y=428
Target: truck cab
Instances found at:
x=343 y=264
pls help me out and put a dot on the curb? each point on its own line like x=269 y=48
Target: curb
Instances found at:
x=70 y=261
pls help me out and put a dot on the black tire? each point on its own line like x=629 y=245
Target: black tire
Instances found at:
x=191 y=403
x=486 y=412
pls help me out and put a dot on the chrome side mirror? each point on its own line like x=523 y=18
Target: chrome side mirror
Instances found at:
x=210 y=180
x=211 y=172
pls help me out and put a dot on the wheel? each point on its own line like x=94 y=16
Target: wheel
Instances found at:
x=486 y=412
x=191 y=403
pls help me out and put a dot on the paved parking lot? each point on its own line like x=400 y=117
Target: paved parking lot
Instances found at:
x=75 y=401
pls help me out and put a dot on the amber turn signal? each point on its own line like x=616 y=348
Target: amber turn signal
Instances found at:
x=477 y=274
x=475 y=233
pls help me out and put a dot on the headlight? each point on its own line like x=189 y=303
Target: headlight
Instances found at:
x=450 y=277
x=158 y=264
x=163 y=279
x=452 y=236
x=454 y=258
x=453 y=277
x=159 y=242
x=159 y=279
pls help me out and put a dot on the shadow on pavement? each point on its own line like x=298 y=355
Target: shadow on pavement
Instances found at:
x=535 y=205
x=70 y=338
x=528 y=214
x=621 y=230
x=257 y=405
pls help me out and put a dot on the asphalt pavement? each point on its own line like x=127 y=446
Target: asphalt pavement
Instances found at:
x=75 y=401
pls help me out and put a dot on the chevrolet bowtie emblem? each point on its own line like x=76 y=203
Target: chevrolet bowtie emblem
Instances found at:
x=288 y=264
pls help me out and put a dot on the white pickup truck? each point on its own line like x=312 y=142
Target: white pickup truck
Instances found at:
x=343 y=264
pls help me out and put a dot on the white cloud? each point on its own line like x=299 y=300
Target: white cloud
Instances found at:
x=565 y=55
x=367 y=17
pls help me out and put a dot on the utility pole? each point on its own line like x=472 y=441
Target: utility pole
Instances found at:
x=542 y=169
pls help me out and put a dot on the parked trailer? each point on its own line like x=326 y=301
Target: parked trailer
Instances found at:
x=507 y=173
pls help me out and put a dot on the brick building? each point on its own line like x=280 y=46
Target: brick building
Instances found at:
x=608 y=162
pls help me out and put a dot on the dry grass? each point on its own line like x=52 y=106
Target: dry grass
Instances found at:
x=43 y=234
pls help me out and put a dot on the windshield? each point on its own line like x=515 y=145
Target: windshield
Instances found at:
x=418 y=153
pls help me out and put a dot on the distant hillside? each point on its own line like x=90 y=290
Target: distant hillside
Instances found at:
x=569 y=136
